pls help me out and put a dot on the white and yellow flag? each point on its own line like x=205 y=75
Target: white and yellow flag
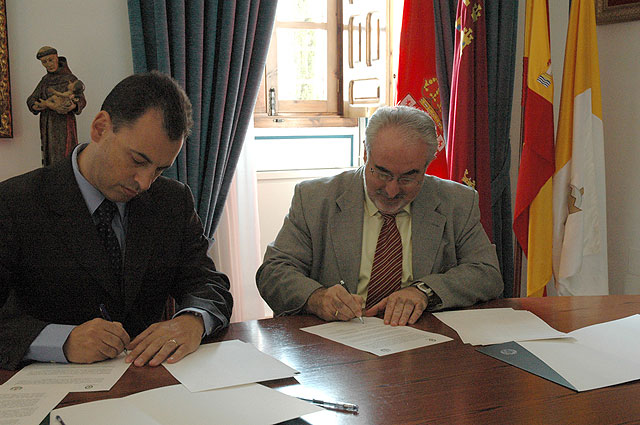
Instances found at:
x=579 y=198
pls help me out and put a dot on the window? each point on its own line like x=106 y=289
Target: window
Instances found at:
x=314 y=44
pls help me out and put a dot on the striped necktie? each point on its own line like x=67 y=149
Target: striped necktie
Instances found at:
x=386 y=272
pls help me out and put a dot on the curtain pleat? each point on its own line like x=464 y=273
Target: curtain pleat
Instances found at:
x=216 y=50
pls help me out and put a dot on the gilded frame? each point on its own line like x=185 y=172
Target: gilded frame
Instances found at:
x=614 y=11
x=6 y=122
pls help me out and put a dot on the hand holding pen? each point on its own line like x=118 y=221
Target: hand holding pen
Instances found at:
x=335 y=303
x=347 y=289
x=106 y=316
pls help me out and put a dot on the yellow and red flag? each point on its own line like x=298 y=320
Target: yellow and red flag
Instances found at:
x=417 y=80
x=580 y=232
x=468 y=149
x=533 y=217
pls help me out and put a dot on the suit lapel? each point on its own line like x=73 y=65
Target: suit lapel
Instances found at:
x=345 y=231
x=61 y=193
x=427 y=226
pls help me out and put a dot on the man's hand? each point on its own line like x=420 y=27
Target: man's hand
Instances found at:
x=176 y=338
x=401 y=307
x=335 y=303
x=95 y=340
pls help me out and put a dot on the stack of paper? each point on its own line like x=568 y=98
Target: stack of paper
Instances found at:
x=30 y=394
x=496 y=325
x=588 y=358
x=218 y=386
x=175 y=405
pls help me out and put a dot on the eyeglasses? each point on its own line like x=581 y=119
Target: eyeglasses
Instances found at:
x=408 y=182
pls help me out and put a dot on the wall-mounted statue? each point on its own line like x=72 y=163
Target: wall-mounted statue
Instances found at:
x=58 y=98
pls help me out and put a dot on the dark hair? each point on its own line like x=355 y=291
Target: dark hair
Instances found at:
x=135 y=95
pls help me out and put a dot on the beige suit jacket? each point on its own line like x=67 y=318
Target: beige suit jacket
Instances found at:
x=321 y=239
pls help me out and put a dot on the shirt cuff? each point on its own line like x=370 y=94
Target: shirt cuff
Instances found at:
x=206 y=318
x=47 y=347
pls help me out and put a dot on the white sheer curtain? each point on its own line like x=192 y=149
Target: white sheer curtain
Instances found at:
x=236 y=250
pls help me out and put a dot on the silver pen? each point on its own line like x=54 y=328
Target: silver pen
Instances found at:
x=343 y=407
x=347 y=289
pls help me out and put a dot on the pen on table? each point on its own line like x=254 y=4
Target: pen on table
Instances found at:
x=347 y=289
x=59 y=419
x=105 y=316
x=344 y=407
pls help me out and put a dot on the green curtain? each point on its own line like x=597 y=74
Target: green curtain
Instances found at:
x=501 y=25
x=217 y=50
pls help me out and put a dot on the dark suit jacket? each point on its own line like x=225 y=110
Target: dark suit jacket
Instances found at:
x=320 y=243
x=54 y=268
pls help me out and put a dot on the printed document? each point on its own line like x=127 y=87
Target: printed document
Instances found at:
x=27 y=405
x=376 y=337
x=100 y=376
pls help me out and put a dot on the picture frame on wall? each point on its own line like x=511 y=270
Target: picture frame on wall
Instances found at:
x=6 y=122
x=614 y=11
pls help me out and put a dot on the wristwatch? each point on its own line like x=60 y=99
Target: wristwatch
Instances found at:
x=432 y=298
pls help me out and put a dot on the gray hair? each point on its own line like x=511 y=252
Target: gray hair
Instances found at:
x=415 y=124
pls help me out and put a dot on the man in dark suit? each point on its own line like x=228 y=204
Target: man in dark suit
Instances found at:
x=434 y=253
x=62 y=269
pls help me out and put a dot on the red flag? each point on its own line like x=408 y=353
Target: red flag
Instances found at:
x=417 y=79
x=468 y=151
x=533 y=217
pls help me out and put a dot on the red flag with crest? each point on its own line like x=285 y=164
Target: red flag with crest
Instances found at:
x=417 y=80
x=468 y=150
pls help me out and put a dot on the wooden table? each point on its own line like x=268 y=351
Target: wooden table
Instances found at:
x=444 y=383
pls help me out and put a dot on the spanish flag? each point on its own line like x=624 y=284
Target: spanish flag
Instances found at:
x=579 y=213
x=533 y=216
x=417 y=79
x=468 y=149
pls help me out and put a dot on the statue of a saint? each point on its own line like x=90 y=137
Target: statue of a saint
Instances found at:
x=58 y=98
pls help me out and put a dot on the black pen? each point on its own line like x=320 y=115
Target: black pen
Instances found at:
x=59 y=419
x=343 y=407
x=105 y=315
x=347 y=289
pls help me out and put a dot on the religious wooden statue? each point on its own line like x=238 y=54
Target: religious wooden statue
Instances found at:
x=58 y=98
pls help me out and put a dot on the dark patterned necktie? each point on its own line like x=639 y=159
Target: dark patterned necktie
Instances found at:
x=386 y=272
x=104 y=214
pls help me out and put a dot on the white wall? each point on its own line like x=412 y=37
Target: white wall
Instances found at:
x=92 y=34
x=620 y=79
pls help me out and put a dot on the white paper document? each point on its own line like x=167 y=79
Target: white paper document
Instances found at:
x=250 y=404
x=227 y=363
x=597 y=356
x=497 y=325
x=100 y=376
x=376 y=337
x=27 y=405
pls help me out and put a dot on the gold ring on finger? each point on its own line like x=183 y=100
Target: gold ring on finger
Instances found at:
x=174 y=341
x=336 y=315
